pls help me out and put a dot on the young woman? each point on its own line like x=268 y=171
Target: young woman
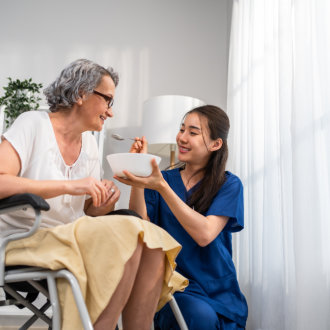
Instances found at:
x=200 y=205
x=118 y=260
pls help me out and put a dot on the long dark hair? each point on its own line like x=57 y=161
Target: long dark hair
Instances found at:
x=214 y=170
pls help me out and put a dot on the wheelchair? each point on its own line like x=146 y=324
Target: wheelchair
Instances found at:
x=34 y=276
x=15 y=280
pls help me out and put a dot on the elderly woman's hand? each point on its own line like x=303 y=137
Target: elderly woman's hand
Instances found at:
x=154 y=181
x=88 y=186
x=102 y=192
x=113 y=193
x=104 y=195
x=139 y=146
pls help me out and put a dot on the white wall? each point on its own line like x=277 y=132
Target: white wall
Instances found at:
x=158 y=47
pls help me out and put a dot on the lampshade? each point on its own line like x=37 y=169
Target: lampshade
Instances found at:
x=162 y=116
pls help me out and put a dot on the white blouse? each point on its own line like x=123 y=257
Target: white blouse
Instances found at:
x=33 y=137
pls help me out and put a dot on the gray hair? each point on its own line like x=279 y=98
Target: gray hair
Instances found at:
x=78 y=78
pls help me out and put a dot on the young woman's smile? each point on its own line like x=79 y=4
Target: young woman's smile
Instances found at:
x=192 y=141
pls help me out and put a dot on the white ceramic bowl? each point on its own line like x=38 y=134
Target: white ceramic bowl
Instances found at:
x=137 y=164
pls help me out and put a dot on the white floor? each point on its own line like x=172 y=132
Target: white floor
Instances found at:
x=12 y=318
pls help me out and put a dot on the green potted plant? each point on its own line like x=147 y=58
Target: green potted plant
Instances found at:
x=20 y=96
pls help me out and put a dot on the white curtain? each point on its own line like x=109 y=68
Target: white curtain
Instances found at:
x=279 y=106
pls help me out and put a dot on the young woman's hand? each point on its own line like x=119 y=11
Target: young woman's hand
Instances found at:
x=139 y=146
x=154 y=181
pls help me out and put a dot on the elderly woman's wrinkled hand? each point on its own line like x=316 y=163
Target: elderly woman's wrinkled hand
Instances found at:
x=113 y=193
x=89 y=186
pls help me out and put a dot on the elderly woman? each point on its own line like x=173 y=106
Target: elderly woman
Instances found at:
x=123 y=264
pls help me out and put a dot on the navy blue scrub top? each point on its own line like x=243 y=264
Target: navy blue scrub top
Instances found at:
x=210 y=269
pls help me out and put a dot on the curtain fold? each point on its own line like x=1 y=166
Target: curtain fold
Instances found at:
x=279 y=106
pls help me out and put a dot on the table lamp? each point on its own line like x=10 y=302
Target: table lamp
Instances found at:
x=162 y=116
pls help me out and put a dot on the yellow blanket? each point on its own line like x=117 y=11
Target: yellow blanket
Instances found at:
x=95 y=250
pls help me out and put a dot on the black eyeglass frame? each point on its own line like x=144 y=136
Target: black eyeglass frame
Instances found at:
x=107 y=98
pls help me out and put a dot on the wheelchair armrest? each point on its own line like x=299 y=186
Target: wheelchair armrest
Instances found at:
x=18 y=202
x=37 y=202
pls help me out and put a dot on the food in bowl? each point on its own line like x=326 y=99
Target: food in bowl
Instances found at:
x=137 y=164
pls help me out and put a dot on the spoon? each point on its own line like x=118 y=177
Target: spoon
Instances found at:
x=120 y=138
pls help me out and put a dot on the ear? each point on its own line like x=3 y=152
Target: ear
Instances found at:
x=81 y=99
x=216 y=145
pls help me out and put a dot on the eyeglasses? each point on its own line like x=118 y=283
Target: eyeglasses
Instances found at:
x=107 y=98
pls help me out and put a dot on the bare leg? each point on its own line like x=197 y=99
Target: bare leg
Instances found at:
x=141 y=306
x=110 y=315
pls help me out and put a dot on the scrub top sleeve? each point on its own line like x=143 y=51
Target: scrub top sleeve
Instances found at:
x=21 y=135
x=152 y=203
x=229 y=202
